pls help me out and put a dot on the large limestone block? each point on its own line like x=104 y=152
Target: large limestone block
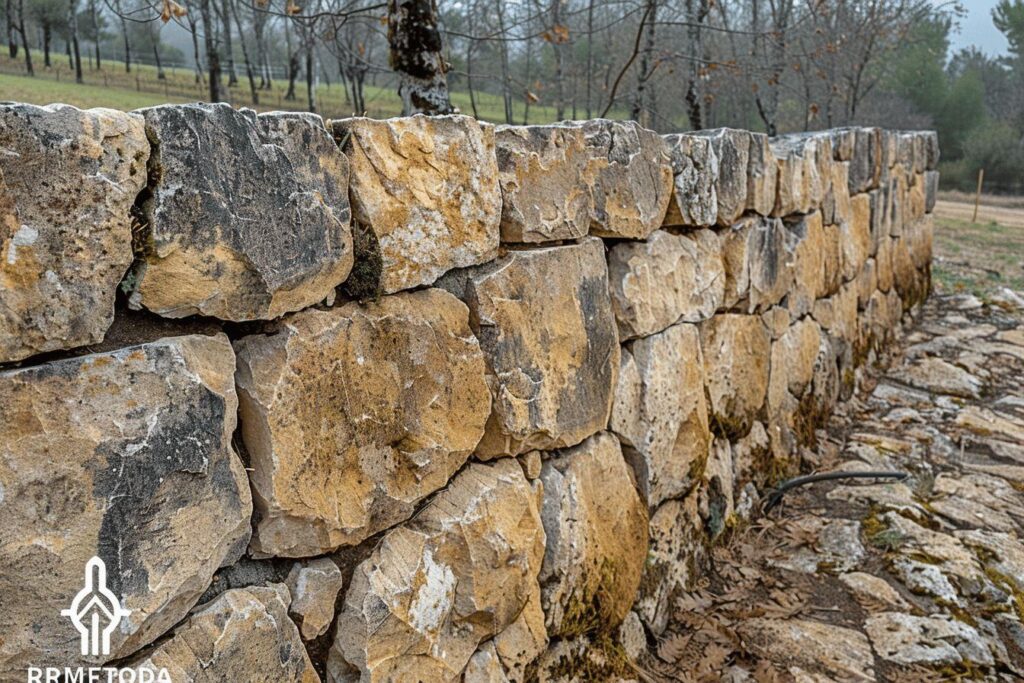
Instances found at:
x=792 y=365
x=867 y=161
x=547 y=176
x=425 y=196
x=732 y=147
x=596 y=528
x=68 y=179
x=855 y=237
x=545 y=323
x=737 y=351
x=660 y=412
x=758 y=271
x=763 y=175
x=243 y=635
x=664 y=280
x=634 y=178
x=460 y=572
x=126 y=456
x=808 y=250
x=351 y=416
x=695 y=175
x=805 y=172
x=247 y=216
x=678 y=548
x=837 y=208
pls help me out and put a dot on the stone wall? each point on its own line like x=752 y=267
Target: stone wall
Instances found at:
x=420 y=399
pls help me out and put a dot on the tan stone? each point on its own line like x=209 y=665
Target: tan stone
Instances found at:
x=596 y=528
x=352 y=416
x=247 y=216
x=872 y=590
x=732 y=147
x=777 y=319
x=484 y=666
x=523 y=640
x=736 y=350
x=547 y=176
x=792 y=364
x=855 y=237
x=425 y=190
x=758 y=271
x=807 y=250
x=660 y=413
x=866 y=283
x=436 y=587
x=837 y=314
x=763 y=175
x=545 y=324
x=695 y=174
x=839 y=210
x=634 y=181
x=805 y=172
x=664 y=280
x=68 y=179
x=126 y=456
x=314 y=588
x=840 y=652
x=716 y=501
x=884 y=263
x=243 y=635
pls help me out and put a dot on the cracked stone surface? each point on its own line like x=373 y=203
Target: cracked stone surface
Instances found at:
x=913 y=580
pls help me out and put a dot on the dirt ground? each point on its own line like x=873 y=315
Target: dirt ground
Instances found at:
x=978 y=258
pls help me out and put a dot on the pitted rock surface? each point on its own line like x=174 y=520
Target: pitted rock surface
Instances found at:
x=459 y=573
x=246 y=217
x=695 y=176
x=425 y=195
x=126 y=456
x=552 y=351
x=353 y=415
x=68 y=179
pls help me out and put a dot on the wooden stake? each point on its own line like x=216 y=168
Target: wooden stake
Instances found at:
x=977 y=196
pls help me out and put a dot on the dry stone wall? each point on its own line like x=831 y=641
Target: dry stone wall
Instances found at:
x=420 y=399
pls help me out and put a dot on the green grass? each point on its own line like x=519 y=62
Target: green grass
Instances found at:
x=977 y=258
x=113 y=87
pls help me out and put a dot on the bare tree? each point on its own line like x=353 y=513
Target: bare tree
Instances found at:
x=415 y=55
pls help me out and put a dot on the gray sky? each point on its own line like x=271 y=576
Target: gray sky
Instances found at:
x=977 y=29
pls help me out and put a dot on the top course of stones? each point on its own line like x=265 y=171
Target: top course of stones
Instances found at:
x=204 y=210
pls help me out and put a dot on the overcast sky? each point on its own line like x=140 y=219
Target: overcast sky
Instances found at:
x=977 y=29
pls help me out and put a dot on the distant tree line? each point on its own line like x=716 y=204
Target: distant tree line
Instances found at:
x=772 y=65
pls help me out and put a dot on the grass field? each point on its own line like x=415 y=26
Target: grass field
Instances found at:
x=113 y=87
x=978 y=258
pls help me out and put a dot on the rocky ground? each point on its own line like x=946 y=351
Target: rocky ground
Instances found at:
x=919 y=580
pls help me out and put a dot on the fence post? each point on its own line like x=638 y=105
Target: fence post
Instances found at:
x=977 y=196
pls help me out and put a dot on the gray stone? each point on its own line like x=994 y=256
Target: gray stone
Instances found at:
x=695 y=176
x=314 y=588
x=758 y=270
x=732 y=147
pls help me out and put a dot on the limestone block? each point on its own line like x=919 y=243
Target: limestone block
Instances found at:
x=125 y=456
x=805 y=172
x=763 y=175
x=695 y=176
x=792 y=364
x=426 y=197
x=855 y=237
x=243 y=635
x=758 y=270
x=545 y=323
x=866 y=163
x=807 y=249
x=634 y=178
x=596 y=529
x=931 y=190
x=314 y=588
x=736 y=350
x=247 y=216
x=547 y=177
x=660 y=412
x=352 y=416
x=68 y=179
x=664 y=280
x=732 y=147
x=457 y=574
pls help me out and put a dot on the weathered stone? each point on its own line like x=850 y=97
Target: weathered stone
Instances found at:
x=793 y=357
x=632 y=636
x=247 y=216
x=634 y=180
x=314 y=588
x=352 y=416
x=939 y=376
x=547 y=176
x=716 y=494
x=758 y=273
x=125 y=456
x=843 y=142
x=907 y=639
x=596 y=529
x=243 y=635
x=660 y=412
x=68 y=179
x=836 y=548
x=872 y=590
x=677 y=550
x=881 y=215
x=884 y=263
x=695 y=175
x=979 y=501
x=866 y=163
x=523 y=640
x=842 y=652
x=808 y=251
x=664 y=280
x=837 y=208
x=777 y=319
x=855 y=237
x=866 y=283
x=831 y=260
x=425 y=194
x=805 y=172
x=732 y=147
x=552 y=352
x=435 y=588
x=837 y=314
x=736 y=350
x=931 y=190
x=485 y=666
x=763 y=175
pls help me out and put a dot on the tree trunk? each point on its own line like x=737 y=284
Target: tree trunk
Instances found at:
x=47 y=33
x=155 y=37
x=226 y=23
x=24 y=38
x=127 y=40
x=642 y=111
x=245 y=53
x=12 y=41
x=415 y=45
x=192 y=26
x=73 y=31
x=212 y=56
x=556 y=44
x=310 y=71
x=293 y=61
x=590 y=55
x=506 y=90
x=94 y=16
